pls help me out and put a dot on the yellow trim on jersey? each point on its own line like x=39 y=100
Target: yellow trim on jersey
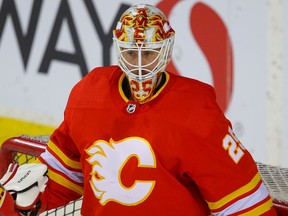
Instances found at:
x=121 y=89
x=260 y=209
x=64 y=158
x=162 y=87
x=62 y=181
x=65 y=182
x=246 y=188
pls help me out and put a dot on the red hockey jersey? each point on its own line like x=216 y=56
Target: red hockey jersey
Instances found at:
x=175 y=155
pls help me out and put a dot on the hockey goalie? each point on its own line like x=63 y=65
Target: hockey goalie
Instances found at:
x=139 y=140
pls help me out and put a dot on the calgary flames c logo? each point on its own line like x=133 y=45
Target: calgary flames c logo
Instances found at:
x=108 y=159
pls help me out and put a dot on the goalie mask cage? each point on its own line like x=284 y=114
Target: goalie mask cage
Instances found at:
x=25 y=149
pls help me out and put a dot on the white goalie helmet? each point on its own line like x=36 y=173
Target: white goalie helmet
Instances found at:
x=144 y=40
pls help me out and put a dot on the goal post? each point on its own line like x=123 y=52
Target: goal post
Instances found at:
x=25 y=149
x=28 y=147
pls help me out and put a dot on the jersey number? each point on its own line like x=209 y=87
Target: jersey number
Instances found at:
x=233 y=146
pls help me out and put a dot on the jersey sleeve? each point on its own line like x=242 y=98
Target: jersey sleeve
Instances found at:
x=62 y=154
x=64 y=170
x=227 y=175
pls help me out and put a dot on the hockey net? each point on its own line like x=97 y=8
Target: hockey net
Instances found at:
x=25 y=149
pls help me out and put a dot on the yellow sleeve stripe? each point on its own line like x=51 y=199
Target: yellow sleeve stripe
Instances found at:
x=260 y=209
x=70 y=163
x=65 y=182
x=246 y=188
x=62 y=181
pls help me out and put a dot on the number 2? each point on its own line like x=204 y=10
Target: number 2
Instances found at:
x=233 y=145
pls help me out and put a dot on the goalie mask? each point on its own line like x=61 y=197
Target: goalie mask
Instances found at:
x=144 y=40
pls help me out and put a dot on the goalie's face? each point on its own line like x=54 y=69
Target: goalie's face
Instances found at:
x=143 y=40
x=141 y=63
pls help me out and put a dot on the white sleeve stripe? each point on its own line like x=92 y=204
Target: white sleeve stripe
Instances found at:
x=259 y=195
x=55 y=164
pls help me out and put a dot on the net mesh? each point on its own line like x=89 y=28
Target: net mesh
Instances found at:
x=276 y=180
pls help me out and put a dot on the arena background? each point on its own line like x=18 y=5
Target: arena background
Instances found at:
x=239 y=47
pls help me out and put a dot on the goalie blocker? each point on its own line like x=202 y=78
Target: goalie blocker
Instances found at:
x=20 y=189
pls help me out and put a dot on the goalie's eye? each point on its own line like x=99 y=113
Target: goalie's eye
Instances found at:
x=130 y=55
x=150 y=55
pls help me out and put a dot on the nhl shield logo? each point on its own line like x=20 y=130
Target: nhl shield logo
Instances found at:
x=131 y=108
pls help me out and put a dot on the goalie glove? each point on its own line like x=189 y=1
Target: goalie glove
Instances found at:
x=25 y=183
